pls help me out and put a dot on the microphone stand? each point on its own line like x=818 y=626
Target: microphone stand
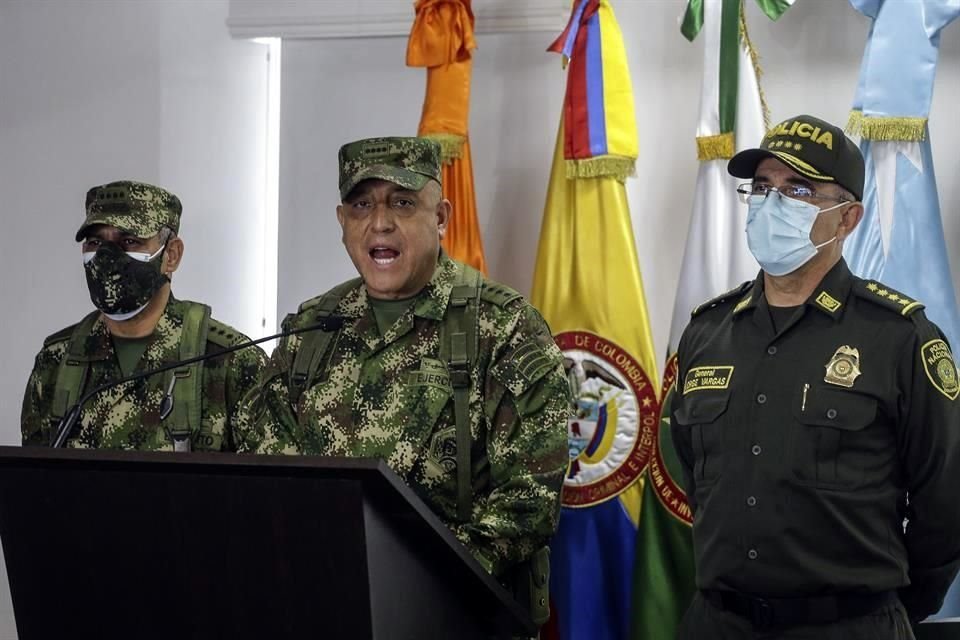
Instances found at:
x=329 y=323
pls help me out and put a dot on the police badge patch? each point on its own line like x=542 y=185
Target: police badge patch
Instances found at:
x=940 y=368
x=844 y=367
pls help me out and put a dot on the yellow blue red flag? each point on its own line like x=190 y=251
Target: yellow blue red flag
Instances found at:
x=587 y=284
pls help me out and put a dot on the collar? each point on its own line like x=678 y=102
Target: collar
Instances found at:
x=829 y=297
x=99 y=344
x=751 y=298
x=430 y=303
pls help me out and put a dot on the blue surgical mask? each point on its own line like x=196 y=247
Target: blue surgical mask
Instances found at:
x=778 y=232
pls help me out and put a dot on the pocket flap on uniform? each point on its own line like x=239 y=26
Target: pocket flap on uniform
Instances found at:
x=701 y=408
x=837 y=409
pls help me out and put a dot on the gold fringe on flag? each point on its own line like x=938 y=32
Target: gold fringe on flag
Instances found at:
x=451 y=145
x=718 y=147
x=886 y=128
x=619 y=167
x=755 y=60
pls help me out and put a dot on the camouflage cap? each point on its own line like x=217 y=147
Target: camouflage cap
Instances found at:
x=135 y=207
x=408 y=162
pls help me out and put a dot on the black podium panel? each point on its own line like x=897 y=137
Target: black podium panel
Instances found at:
x=939 y=630
x=163 y=545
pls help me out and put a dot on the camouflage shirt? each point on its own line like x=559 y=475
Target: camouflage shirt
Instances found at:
x=390 y=397
x=128 y=416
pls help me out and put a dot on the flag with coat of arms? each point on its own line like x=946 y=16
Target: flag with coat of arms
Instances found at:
x=588 y=286
x=716 y=259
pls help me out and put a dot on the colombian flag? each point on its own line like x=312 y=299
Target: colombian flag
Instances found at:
x=587 y=284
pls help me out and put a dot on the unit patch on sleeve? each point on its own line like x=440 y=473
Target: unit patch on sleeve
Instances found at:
x=940 y=368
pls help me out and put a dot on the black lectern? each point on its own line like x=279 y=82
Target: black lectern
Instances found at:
x=166 y=545
x=939 y=630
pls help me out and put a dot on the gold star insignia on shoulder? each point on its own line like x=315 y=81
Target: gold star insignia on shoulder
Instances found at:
x=890 y=298
x=797 y=146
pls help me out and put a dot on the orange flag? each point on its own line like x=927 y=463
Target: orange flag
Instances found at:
x=442 y=40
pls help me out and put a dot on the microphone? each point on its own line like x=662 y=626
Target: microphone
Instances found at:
x=324 y=323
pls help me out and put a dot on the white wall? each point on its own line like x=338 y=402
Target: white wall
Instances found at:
x=335 y=91
x=96 y=91
x=102 y=90
x=338 y=90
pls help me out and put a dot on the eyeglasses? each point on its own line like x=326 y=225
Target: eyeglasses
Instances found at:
x=794 y=191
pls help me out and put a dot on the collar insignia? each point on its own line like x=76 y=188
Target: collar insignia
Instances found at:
x=828 y=302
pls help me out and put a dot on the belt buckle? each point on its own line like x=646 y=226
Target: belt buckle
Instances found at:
x=762 y=612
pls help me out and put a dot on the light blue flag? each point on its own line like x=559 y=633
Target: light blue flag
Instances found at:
x=900 y=239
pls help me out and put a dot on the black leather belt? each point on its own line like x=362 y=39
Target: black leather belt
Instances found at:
x=785 y=612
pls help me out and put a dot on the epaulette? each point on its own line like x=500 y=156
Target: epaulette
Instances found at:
x=306 y=305
x=498 y=294
x=880 y=294
x=333 y=295
x=720 y=299
x=221 y=334
x=59 y=336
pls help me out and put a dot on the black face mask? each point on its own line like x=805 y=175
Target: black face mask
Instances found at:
x=120 y=284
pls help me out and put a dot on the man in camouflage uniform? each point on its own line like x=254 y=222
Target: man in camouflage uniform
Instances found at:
x=424 y=338
x=130 y=251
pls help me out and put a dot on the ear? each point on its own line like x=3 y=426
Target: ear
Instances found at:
x=849 y=220
x=444 y=211
x=172 y=255
x=341 y=219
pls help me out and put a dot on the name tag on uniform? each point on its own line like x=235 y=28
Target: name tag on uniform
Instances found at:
x=713 y=377
x=432 y=373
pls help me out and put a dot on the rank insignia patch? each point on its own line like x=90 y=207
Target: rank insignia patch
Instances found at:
x=743 y=304
x=844 y=367
x=940 y=368
x=828 y=302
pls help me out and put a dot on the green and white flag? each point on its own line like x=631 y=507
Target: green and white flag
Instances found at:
x=716 y=258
